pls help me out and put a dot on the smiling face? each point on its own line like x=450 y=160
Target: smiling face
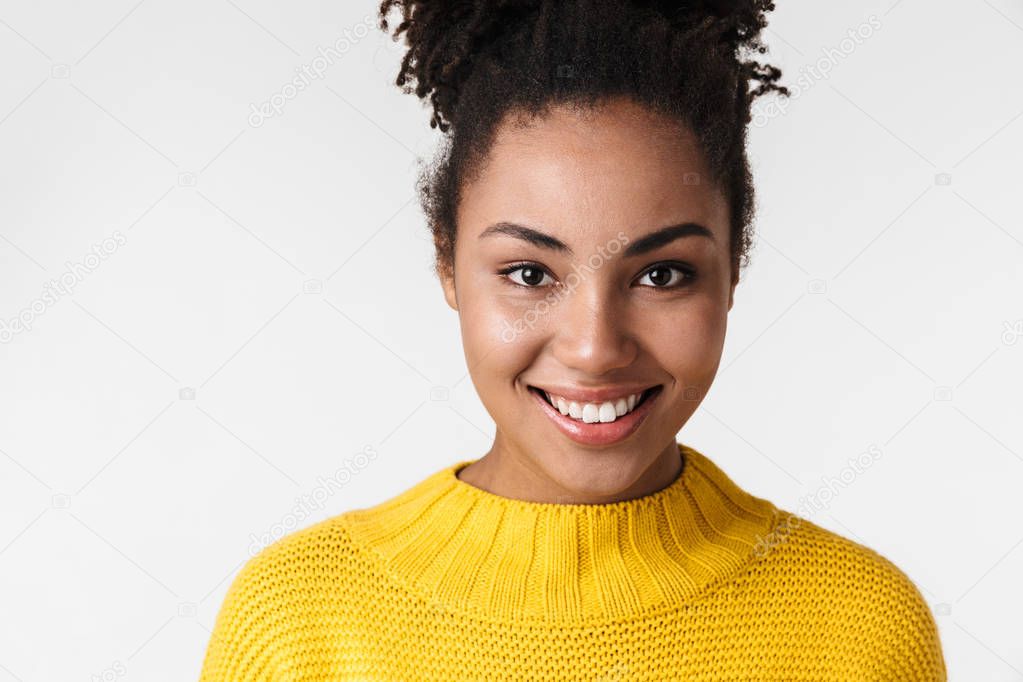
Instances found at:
x=592 y=261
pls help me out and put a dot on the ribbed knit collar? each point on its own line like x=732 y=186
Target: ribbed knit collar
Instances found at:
x=468 y=550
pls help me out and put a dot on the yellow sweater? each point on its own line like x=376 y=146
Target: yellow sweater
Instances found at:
x=697 y=581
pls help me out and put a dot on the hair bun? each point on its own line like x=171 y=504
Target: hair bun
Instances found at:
x=477 y=61
x=445 y=37
x=442 y=38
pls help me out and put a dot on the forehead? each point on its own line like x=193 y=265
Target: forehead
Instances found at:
x=616 y=167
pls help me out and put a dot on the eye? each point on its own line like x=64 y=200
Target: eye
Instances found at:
x=668 y=275
x=526 y=275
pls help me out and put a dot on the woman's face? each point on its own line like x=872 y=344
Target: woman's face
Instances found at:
x=592 y=261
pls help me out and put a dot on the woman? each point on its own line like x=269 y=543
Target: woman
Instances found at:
x=591 y=212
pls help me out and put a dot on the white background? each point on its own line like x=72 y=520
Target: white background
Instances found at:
x=282 y=273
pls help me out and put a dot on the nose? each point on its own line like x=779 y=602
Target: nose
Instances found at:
x=592 y=332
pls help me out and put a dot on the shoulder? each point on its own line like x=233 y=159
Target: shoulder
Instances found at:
x=296 y=562
x=804 y=548
x=272 y=600
x=338 y=547
x=853 y=592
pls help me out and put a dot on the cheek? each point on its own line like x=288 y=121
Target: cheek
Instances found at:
x=689 y=342
x=501 y=339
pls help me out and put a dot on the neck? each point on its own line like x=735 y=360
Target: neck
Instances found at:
x=464 y=549
x=509 y=472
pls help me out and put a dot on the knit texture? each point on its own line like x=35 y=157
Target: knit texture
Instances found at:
x=697 y=581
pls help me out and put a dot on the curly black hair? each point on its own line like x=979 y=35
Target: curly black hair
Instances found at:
x=479 y=60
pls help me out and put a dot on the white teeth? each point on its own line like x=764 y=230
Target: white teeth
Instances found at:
x=562 y=405
x=591 y=413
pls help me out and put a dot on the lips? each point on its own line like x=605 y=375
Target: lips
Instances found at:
x=591 y=411
x=598 y=433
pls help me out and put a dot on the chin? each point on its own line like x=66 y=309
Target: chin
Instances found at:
x=600 y=472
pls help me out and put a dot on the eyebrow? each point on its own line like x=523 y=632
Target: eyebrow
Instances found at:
x=645 y=244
